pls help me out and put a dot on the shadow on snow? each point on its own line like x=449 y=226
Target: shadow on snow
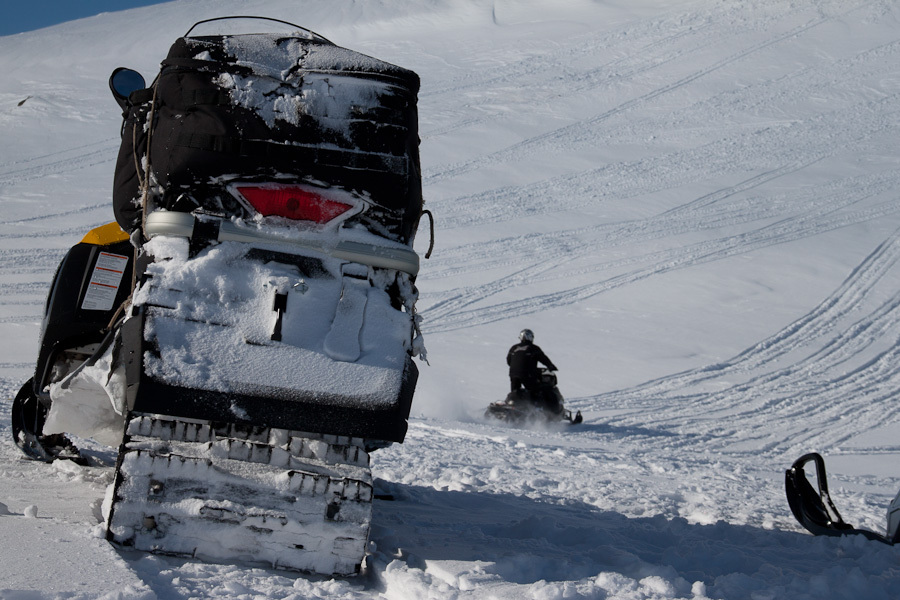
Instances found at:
x=523 y=540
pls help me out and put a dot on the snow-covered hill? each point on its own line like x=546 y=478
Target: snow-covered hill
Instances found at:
x=694 y=205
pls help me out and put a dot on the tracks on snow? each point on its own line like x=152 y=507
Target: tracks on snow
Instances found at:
x=753 y=164
x=832 y=374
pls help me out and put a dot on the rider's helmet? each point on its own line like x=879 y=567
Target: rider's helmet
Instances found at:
x=526 y=335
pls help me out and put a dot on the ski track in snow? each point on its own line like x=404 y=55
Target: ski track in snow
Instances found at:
x=652 y=56
x=854 y=125
x=564 y=171
x=828 y=340
x=55 y=163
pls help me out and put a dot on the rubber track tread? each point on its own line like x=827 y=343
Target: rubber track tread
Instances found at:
x=229 y=493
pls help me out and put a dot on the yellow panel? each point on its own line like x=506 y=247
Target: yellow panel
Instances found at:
x=105 y=235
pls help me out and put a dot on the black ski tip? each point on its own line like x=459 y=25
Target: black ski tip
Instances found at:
x=812 y=506
x=28 y=417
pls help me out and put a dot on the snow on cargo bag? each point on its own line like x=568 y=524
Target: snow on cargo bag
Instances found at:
x=266 y=106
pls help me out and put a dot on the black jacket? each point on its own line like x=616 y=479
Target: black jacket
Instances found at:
x=523 y=359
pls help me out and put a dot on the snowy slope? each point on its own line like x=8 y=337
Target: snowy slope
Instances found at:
x=694 y=205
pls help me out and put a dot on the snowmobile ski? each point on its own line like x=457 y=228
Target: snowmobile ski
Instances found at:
x=523 y=413
x=28 y=417
x=814 y=509
x=519 y=408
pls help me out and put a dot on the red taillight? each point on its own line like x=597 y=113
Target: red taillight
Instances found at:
x=292 y=202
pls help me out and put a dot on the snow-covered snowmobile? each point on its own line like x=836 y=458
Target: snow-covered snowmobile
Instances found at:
x=814 y=509
x=522 y=408
x=245 y=332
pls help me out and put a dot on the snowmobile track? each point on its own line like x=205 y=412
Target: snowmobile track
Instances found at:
x=184 y=488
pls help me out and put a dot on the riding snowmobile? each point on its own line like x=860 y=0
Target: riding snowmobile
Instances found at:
x=244 y=333
x=814 y=509
x=546 y=405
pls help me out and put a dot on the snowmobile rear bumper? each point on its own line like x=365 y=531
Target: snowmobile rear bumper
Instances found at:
x=267 y=382
x=267 y=406
x=283 y=409
x=388 y=256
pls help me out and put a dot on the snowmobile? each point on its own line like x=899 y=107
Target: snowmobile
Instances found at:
x=245 y=332
x=520 y=408
x=814 y=509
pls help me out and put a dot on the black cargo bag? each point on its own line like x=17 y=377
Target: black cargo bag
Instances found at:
x=273 y=108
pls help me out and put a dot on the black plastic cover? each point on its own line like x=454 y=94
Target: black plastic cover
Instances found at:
x=66 y=323
x=266 y=107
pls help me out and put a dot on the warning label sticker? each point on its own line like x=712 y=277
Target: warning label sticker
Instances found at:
x=105 y=281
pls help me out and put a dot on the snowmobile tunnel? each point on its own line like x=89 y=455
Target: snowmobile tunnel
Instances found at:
x=385 y=257
x=267 y=406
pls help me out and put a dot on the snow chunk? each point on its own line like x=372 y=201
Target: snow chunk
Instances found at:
x=90 y=402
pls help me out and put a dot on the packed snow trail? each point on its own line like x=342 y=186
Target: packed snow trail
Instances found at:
x=841 y=358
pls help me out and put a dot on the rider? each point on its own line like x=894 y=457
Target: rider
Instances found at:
x=522 y=360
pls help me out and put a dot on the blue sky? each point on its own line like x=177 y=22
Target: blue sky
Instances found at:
x=19 y=16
